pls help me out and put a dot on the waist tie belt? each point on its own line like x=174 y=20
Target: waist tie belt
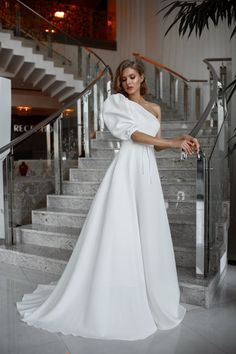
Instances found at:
x=147 y=150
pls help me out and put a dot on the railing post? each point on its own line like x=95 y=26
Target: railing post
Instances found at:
x=176 y=88
x=79 y=127
x=156 y=82
x=202 y=244
x=172 y=91
x=100 y=106
x=8 y=198
x=95 y=107
x=88 y=70
x=86 y=126
x=57 y=155
x=186 y=100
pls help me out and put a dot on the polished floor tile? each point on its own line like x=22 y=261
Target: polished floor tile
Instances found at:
x=205 y=331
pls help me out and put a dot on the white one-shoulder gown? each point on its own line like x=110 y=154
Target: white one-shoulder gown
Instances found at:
x=121 y=280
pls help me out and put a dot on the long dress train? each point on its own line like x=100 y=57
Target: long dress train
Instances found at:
x=121 y=280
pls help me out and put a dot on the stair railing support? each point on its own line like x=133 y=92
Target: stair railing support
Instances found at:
x=202 y=244
x=79 y=127
x=57 y=154
x=101 y=98
x=86 y=136
x=8 y=198
x=95 y=107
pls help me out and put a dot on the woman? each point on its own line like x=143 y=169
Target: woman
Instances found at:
x=121 y=281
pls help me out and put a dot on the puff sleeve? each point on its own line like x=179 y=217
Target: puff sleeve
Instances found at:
x=118 y=117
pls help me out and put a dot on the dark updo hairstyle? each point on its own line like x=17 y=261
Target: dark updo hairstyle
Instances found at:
x=117 y=83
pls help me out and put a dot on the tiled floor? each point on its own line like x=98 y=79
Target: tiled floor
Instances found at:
x=211 y=331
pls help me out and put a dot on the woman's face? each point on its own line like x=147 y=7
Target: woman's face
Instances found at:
x=131 y=81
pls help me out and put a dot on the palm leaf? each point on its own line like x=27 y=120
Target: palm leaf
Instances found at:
x=193 y=15
x=233 y=33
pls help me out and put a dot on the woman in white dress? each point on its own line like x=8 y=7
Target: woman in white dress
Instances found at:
x=121 y=281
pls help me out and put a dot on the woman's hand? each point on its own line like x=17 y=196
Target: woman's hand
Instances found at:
x=186 y=143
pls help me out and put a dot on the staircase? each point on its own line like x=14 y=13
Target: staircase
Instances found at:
x=19 y=61
x=47 y=243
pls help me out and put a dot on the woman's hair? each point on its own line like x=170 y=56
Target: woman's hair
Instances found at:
x=117 y=83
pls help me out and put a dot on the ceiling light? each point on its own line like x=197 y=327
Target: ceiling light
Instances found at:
x=59 y=14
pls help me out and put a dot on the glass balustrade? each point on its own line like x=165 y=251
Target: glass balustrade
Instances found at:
x=218 y=200
x=38 y=163
x=181 y=99
x=200 y=188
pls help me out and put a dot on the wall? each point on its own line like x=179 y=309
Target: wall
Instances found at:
x=130 y=18
x=140 y=29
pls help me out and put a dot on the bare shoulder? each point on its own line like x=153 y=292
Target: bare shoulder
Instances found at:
x=154 y=108
x=157 y=109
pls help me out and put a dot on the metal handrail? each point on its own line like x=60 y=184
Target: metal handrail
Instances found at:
x=166 y=68
x=54 y=115
x=210 y=104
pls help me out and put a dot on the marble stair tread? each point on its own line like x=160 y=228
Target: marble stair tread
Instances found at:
x=111 y=152
x=67 y=196
x=168 y=133
x=187 y=277
x=52 y=230
x=61 y=211
x=171 y=187
x=161 y=161
x=161 y=168
x=82 y=182
x=189 y=219
x=173 y=218
x=56 y=254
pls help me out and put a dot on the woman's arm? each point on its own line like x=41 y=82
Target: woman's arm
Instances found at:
x=185 y=142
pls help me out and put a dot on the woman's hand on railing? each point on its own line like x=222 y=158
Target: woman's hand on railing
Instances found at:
x=186 y=143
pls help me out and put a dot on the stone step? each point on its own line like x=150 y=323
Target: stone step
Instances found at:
x=48 y=251
x=80 y=188
x=205 y=141
x=179 y=189
x=59 y=217
x=167 y=130
x=193 y=291
x=76 y=202
x=65 y=238
x=100 y=163
x=75 y=218
x=98 y=174
x=183 y=234
x=196 y=291
x=47 y=236
x=168 y=153
x=176 y=189
x=46 y=259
